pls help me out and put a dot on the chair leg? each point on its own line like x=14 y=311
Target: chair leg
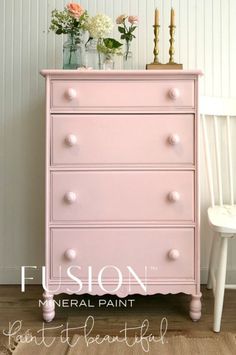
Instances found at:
x=220 y=284
x=213 y=258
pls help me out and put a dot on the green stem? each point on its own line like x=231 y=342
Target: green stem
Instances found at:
x=126 y=28
x=127 y=49
x=72 y=37
x=99 y=53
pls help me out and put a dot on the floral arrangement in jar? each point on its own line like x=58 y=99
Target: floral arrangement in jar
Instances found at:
x=109 y=47
x=99 y=27
x=127 y=34
x=71 y=21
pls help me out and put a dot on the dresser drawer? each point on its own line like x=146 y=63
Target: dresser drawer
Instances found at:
x=77 y=95
x=122 y=139
x=164 y=253
x=122 y=196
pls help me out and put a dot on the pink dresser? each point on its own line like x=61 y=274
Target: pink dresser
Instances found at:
x=122 y=209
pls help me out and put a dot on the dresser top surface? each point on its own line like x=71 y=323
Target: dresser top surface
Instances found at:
x=119 y=74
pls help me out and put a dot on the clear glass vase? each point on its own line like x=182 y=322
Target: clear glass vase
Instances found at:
x=108 y=62
x=92 y=55
x=73 y=52
x=128 y=57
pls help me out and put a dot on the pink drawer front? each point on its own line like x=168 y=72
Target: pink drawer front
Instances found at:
x=75 y=95
x=160 y=253
x=122 y=196
x=122 y=139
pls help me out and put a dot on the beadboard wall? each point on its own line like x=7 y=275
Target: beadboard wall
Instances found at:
x=205 y=39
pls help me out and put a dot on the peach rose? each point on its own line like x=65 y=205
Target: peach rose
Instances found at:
x=120 y=19
x=133 y=20
x=75 y=10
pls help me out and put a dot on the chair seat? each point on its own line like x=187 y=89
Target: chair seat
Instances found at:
x=223 y=218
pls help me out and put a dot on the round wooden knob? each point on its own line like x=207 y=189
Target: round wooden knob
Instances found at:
x=173 y=254
x=173 y=196
x=71 y=94
x=174 y=139
x=71 y=140
x=70 y=197
x=174 y=93
x=70 y=254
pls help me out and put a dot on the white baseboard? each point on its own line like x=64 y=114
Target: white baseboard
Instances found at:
x=231 y=276
x=12 y=276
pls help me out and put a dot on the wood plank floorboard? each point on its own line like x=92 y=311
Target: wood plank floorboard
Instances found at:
x=15 y=305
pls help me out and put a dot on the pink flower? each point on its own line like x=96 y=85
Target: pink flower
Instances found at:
x=120 y=19
x=133 y=20
x=75 y=10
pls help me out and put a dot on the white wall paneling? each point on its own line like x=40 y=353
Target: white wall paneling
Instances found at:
x=205 y=39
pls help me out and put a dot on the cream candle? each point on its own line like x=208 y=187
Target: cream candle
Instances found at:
x=172 y=17
x=157 y=17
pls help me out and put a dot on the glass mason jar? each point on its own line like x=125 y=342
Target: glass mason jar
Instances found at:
x=73 y=52
x=108 y=62
x=128 y=57
x=92 y=55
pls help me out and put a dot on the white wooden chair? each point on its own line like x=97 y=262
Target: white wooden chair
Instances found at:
x=222 y=213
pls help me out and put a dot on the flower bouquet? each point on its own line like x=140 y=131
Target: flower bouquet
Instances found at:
x=127 y=34
x=70 y=21
x=99 y=28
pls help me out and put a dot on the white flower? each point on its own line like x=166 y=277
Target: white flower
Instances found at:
x=99 y=26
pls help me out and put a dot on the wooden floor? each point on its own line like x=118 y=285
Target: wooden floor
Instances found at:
x=15 y=305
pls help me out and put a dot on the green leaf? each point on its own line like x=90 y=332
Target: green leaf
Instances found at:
x=112 y=43
x=59 y=31
x=129 y=37
x=133 y=28
x=121 y=29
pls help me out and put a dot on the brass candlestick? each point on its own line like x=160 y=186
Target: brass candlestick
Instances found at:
x=155 y=64
x=171 y=64
x=172 y=41
x=156 y=43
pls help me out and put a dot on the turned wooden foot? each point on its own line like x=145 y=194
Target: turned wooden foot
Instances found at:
x=195 y=307
x=48 y=307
